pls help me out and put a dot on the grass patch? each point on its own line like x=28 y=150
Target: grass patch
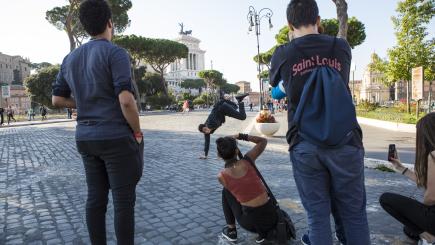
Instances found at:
x=389 y=114
x=384 y=169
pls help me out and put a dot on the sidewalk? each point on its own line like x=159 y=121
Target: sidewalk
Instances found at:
x=36 y=122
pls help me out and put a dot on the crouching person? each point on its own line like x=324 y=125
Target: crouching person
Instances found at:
x=244 y=196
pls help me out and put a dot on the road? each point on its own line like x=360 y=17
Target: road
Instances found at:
x=42 y=190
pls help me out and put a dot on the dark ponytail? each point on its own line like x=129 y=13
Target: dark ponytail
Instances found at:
x=226 y=147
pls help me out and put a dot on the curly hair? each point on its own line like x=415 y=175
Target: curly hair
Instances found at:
x=94 y=16
x=226 y=147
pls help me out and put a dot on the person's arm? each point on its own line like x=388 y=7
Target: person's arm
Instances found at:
x=429 y=195
x=121 y=76
x=129 y=110
x=277 y=61
x=61 y=93
x=398 y=166
x=260 y=145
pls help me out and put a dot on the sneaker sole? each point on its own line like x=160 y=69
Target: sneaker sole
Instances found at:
x=259 y=241
x=228 y=238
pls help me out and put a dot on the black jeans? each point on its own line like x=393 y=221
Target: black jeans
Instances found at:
x=416 y=216
x=111 y=164
x=260 y=220
x=226 y=110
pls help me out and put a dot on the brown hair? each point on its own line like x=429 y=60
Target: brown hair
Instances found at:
x=425 y=145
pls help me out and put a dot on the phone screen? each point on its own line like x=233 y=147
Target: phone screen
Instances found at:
x=392 y=152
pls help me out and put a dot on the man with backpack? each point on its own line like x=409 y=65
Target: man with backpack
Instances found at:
x=325 y=139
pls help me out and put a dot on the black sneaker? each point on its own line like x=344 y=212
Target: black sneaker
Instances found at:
x=240 y=97
x=230 y=234
x=260 y=239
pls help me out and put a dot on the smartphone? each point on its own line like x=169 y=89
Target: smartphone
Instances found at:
x=392 y=151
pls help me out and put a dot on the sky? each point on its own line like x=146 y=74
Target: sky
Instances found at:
x=222 y=27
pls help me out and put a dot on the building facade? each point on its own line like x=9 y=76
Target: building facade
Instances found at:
x=373 y=89
x=245 y=87
x=19 y=100
x=186 y=68
x=13 y=69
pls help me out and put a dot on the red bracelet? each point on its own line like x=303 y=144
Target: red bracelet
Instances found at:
x=138 y=135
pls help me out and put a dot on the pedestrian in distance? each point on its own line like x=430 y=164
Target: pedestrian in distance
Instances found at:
x=43 y=111
x=2 y=120
x=186 y=106
x=108 y=134
x=69 y=113
x=10 y=112
x=251 y=107
x=221 y=109
x=326 y=150
x=418 y=218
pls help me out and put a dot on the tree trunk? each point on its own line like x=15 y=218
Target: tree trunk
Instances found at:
x=135 y=87
x=342 y=18
x=72 y=42
x=165 y=88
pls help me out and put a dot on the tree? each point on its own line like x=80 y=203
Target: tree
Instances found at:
x=66 y=18
x=342 y=18
x=193 y=84
x=161 y=53
x=229 y=88
x=413 y=49
x=213 y=79
x=39 y=85
x=39 y=66
x=150 y=84
x=379 y=65
x=355 y=35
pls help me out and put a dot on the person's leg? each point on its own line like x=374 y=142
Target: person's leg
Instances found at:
x=346 y=167
x=339 y=228
x=228 y=212
x=124 y=163
x=98 y=188
x=237 y=212
x=230 y=111
x=313 y=183
x=411 y=213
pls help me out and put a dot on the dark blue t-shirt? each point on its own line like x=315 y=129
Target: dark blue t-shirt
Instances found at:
x=95 y=74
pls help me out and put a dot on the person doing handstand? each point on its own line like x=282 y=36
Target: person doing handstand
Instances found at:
x=216 y=118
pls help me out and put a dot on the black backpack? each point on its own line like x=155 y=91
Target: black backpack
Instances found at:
x=285 y=229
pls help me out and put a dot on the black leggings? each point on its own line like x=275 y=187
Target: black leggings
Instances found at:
x=416 y=216
x=259 y=220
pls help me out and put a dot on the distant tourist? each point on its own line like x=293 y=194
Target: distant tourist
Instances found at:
x=186 y=106
x=108 y=133
x=2 y=119
x=69 y=112
x=222 y=108
x=418 y=218
x=251 y=107
x=43 y=111
x=326 y=149
x=10 y=113
x=31 y=114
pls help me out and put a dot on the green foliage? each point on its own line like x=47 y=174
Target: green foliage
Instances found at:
x=398 y=114
x=66 y=18
x=413 y=49
x=266 y=57
x=39 y=85
x=199 y=101
x=379 y=65
x=150 y=84
x=383 y=168
x=229 y=88
x=193 y=84
x=158 y=53
x=212 y=77
x=355 y=35
x=39 y=66
x=188 y=96
x=367 y=105
x=160 y=100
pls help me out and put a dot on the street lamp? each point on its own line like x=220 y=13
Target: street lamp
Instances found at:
x=254 y=20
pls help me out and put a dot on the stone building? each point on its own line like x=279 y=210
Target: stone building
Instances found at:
x=19 y=100
x=373 y=89
x=13 y=69
x=245 y=87
x=186 y=68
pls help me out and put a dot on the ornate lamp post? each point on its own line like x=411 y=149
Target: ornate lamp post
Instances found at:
x=254 y=19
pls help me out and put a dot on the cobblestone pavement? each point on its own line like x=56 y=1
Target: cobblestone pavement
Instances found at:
x=42 y=190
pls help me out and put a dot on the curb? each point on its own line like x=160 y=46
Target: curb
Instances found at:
x=37 y=123
x=393 y=126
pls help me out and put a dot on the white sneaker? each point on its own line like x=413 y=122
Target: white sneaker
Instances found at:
x=425 y=242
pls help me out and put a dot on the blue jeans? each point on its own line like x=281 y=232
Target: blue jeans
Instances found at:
x=331 y=181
